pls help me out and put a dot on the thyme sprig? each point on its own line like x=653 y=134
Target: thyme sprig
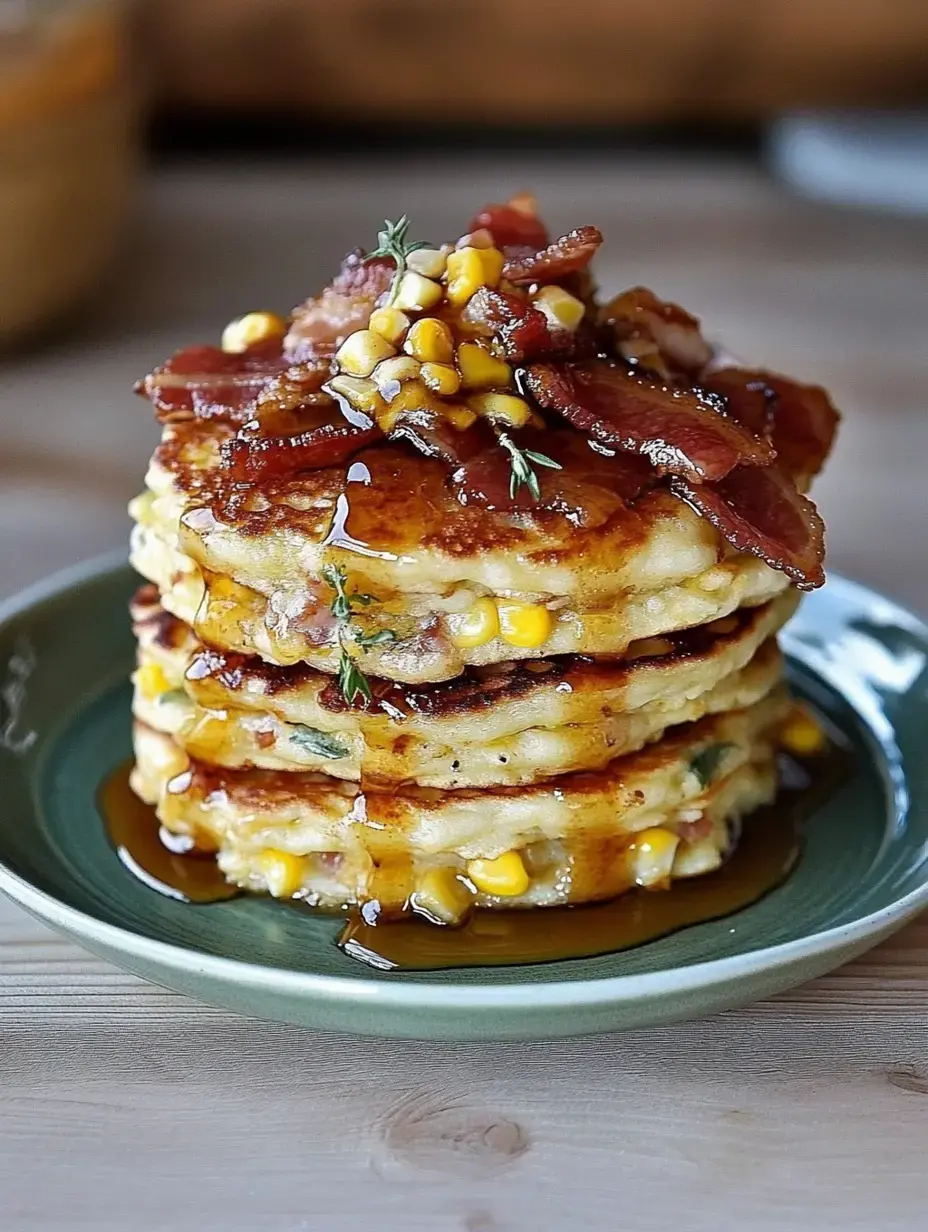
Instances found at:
x=351 y=679
x=392 y=242
x=522 y=472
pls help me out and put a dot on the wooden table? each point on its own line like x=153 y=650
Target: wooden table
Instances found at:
x=126 y=1107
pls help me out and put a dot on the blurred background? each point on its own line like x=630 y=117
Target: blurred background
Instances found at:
x=166 y=165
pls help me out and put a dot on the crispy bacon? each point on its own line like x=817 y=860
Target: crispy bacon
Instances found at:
x=511 y=227
x=587 y=489
x=205 y=382
x=681 y=431
x=758 y=510
x=321 y=324
x=522 y=330
x=800 y=420
x=567 y=255
x=434 y=437
x=655 y=333
x=250 y=459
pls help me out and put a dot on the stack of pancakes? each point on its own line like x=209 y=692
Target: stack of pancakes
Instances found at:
x=554 y=698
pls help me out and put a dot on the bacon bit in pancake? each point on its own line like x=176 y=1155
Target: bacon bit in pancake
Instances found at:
x=322 y=323
x=205 y=382
x=567 y=255
x=250 y=459
x=681 y=431
x=511 y=227
x=758 y=510
x=799 y=420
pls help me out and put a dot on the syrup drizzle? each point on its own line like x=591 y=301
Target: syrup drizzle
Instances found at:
x=769 y=850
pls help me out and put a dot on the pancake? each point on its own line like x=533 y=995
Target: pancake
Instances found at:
x=243 y=566
x=669 y=810
x=505 y=725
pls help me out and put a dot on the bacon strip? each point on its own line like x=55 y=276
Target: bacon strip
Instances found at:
x=205 y=382
x=511 y=228
x=682 y=432
x=522 y=330
x=567 y=255
x=758 y=510
x=250 y=459
x=799 y=420
x=322 y=323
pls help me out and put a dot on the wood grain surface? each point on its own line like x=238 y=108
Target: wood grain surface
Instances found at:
x=515 y=61
x=125 y=1107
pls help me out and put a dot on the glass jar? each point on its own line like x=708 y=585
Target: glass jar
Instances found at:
x=67 y=154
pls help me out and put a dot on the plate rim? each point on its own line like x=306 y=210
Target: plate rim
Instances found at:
x=397 y=992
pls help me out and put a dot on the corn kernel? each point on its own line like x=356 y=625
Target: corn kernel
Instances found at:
x=442 y=378
x=506 y=408
x=459 y=416
x=362 y=393
x=651 y=855
x=361 y=352
x=151 y=681
x=390 y=374
x=417 y=293
x=251 y=329
x=475 y=627
x=479 y=369
x=282 y=871
x=524 y=624
x=390 y=323
x=801 y=734
x=504 y=877
x=481 y=238
x=430 y=341
x=562 y=309
x=469 y=269
x=430 y=262
x=442 y=896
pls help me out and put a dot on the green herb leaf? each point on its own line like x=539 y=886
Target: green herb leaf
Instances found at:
x=522 y=473
x=312 y=740
x=366 y=640
x=351 y=680
x=707 y=761
x=392 y=242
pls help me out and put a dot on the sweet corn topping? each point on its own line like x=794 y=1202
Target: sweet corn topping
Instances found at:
x=562 y=309
x=282 y=871
x=363 y=394
x=392 y=372
x=390 y=323
x=481 y=238
x=503 y=408
x=479 y=369
x=442 y=378
x=801 y=734
x=151 y=681
x=417 y=293
x=442 y=896
x=475 y=627
x=524 y=624
x=430 y=262
x=430 y=341
x=471 y=268
x=360 y=353
x=504 y=877
x=251 y=329
x=651 y=856
x=459 y=416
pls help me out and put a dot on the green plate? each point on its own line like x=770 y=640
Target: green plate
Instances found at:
x=65 y=652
